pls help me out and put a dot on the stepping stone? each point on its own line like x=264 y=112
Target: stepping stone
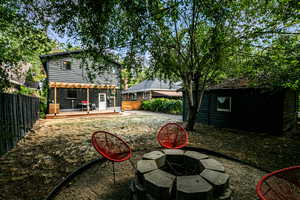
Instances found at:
x=159 y=183
x=212 y=164
x=158 y=156
x=193 y=187
x=220 y=180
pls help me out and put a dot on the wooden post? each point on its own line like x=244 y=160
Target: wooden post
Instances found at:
x=55 y=100
x=88 y=98
x=150 y=95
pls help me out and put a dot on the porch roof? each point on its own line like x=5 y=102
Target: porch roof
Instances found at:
x=79 y=85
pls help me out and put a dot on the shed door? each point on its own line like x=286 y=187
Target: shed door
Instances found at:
x=102 y=101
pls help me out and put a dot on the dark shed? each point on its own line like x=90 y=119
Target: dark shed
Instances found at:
x=251 y=109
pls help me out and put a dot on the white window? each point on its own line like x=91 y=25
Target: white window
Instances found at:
x=224 y=103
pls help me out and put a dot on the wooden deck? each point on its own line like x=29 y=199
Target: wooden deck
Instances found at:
x=79 y=114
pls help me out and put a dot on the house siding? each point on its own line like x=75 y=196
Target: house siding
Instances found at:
x=289 y=118
x=56 y=72
x=251 y=110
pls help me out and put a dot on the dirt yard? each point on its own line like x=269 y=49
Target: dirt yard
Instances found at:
x=55 y=148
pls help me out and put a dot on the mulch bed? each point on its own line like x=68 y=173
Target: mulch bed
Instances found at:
x=260 y=149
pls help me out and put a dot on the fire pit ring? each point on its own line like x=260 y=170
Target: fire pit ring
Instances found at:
x=175 y=174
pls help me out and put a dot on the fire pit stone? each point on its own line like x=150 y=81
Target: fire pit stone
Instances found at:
x=218 y=179
x=213 y=165
x=158 y=156
x=193 y=187
x=159 y=183
x=175 y=174
x=195 y=155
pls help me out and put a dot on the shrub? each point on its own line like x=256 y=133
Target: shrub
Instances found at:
x=164 y=105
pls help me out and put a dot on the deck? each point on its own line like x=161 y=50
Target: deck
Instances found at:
x=68 y=114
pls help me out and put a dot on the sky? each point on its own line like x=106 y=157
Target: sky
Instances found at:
x=64 y=39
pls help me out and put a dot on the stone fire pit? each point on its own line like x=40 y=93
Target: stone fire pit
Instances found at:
x=174 y=174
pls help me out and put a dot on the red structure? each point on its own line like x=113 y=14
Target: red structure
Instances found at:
x=283 y=184
x=111 y=146
x=172 y=136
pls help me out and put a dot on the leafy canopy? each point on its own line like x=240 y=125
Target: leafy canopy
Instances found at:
x=20 y=42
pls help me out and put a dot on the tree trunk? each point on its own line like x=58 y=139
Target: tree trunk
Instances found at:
x=194 y=107
x=192 y=114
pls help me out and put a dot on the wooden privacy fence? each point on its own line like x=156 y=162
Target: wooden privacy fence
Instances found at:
x=131 y=105
x=18 y=113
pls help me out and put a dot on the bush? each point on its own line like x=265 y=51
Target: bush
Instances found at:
x=163 y=105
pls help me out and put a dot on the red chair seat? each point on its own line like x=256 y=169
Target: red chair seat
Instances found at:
x=282 y=184
x=172 y=136
x=111 y=146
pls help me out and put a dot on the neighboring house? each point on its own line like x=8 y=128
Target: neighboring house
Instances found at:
x=70 y=87
x=149 y=89
x=236 y=105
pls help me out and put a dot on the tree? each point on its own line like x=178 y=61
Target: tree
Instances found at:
x=20 y=42
x=278 y=65
x=270 y=35
x=188 y=40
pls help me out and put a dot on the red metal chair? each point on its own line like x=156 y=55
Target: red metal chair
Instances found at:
x=111 y=147
x=172 y=136
x=283 y=184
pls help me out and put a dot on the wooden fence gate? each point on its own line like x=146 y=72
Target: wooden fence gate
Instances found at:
x=18 y=113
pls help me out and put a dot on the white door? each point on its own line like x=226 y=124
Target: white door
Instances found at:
x=102 y=101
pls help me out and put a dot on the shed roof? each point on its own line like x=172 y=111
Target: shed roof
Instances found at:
x=155 y=84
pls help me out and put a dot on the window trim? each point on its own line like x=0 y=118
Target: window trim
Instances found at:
x=222 y=109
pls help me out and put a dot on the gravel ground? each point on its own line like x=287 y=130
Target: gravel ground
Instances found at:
x=56 y=147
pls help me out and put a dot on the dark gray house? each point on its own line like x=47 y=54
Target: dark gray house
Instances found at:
x=70 y=88
x=149 y=89
x=237 y=105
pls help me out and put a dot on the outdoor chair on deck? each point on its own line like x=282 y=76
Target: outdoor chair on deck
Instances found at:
x=111 y=147
x=172 y=136
x=283 y=184
x=84 y=105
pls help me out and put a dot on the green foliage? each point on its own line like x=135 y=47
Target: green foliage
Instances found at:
x=28 y=91
x=163 y=105
x=20 y=41
x=42 y=95
x=43 y=106
x=132 y=77
x=196 y=41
